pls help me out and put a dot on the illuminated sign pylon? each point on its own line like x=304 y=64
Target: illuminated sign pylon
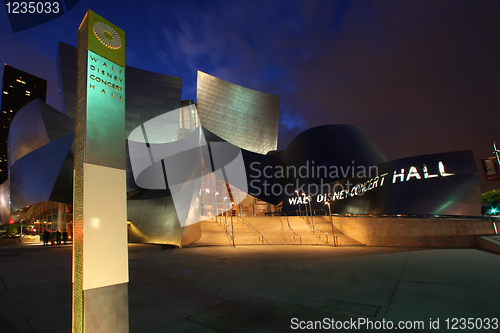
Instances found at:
x=100 y=252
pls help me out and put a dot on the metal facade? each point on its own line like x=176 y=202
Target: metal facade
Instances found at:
x=244 y=117
x=436 y=184
x=34 y=126
x=156 y=217
x=338 y=145
x=149 y=95
x=33 y=177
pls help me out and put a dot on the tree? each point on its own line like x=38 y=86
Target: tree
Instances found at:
x=12 y=231
x=491 y=198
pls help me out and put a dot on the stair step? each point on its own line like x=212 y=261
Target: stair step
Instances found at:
x=275 y=231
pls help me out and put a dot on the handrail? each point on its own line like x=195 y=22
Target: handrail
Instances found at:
x=249 y=225
x=227 y=229
x=292 y=232
x=313 y=226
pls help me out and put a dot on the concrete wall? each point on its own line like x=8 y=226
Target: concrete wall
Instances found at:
x=385 y=231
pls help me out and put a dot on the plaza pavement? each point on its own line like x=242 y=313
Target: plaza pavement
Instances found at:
x=260 y=288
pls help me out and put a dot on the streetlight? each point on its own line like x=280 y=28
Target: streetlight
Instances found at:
x=300 y=213
x=304 y=198
x=331 y=220
x=310 y=210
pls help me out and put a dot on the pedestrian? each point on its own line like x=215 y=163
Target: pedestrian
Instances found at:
x=58 y=237
x=65 y=236
x=46 y=236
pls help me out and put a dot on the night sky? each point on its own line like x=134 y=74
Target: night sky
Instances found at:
x=419 y=77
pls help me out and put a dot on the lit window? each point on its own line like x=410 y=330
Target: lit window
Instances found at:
x=28 y=93
x=20 y=81
x=5 y=93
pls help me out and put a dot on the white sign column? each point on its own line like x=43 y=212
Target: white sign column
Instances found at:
x=100 y=252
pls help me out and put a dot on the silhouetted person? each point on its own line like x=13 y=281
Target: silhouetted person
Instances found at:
x=65 y=236
x=58 y=237
x=46 y=236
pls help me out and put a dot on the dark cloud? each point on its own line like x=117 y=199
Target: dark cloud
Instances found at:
x=418 y=77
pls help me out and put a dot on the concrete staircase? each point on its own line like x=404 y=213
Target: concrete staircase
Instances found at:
x=276 y=230
x=216 y=232
x=212 y=233
x=246 y=233
x=308 y=237
x=324 y=223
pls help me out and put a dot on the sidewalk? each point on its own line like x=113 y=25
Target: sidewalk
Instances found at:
x=259 y=288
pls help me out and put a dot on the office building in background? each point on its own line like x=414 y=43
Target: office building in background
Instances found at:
x=18 y=89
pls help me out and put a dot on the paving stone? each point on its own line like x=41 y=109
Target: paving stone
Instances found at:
x=258 y=288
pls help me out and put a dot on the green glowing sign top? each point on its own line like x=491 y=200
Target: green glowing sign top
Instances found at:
x=105 y=38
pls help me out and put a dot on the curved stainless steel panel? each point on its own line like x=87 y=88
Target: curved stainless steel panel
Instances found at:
x=27 y=132
x=244 y=117
x=332 y=145
x=155 y=217
x=35 y=125
x=34 y=176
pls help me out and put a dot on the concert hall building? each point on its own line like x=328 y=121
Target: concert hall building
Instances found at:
x=217 y=157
